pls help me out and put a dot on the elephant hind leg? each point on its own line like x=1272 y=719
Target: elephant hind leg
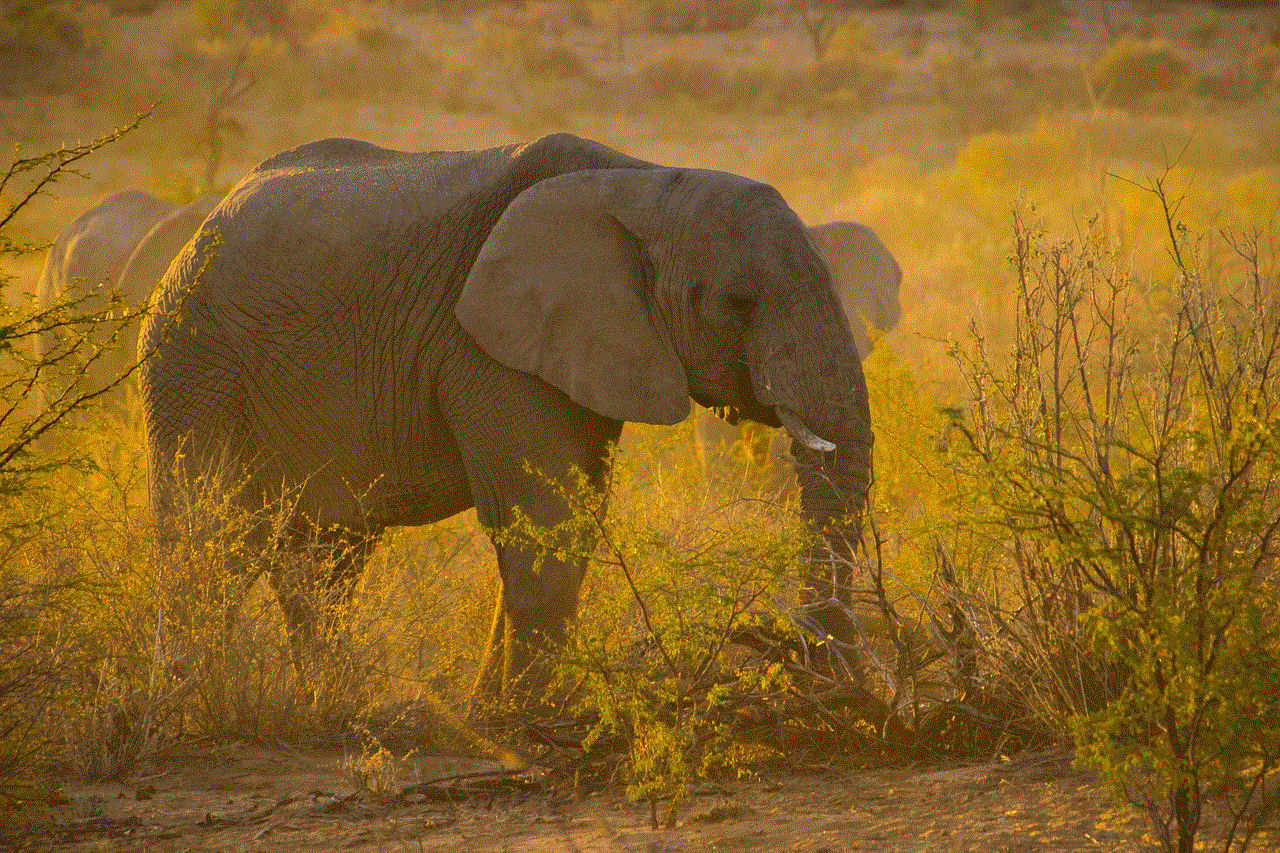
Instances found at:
x=314 y=578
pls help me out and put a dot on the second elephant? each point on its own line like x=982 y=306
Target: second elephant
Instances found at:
x=124 y=243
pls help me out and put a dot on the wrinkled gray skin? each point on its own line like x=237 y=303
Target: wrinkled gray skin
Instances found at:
x=124 y=243
x=395 y=337
x=155 y=251
x=866 y=278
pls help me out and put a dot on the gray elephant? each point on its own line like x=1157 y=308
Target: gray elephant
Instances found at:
x=865 y=275
x=390 y=338
x=866 y=278
x=123 y=243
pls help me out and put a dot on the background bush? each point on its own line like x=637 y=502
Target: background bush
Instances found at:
x=1134 y=71
x=1126 y=461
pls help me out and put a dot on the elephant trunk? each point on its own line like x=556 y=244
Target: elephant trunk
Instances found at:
x=833 y=493
x=832 y=451
x=814 y=385
x=833 y=488
x=831 y=447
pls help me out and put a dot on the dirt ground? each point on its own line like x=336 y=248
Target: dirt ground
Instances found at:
x=246 y=798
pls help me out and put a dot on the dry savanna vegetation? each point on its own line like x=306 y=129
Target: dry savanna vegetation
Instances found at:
x=1067 y=593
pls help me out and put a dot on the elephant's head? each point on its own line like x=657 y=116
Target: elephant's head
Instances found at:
x=632 y=290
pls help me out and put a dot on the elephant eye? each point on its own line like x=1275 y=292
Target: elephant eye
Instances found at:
x=740 y=306
x=695 y=293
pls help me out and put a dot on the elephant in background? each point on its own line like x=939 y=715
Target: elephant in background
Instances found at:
x=866 y=278
x=865 y=275
x=123 y=243
x=380 y=338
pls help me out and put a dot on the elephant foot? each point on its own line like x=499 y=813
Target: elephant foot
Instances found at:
x=515 y=674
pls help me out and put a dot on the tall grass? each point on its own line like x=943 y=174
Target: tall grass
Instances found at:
x=148 y=645
x=45 y=353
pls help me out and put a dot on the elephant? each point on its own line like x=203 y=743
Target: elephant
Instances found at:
x=865 y=274
x=384 y=338
x=866 y=278
x=125 y=243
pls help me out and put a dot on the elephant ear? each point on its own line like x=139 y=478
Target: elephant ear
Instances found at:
x=559 y=290
x=865 y=275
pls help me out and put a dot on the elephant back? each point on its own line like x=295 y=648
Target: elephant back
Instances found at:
x=331 y=154
x=154 y=252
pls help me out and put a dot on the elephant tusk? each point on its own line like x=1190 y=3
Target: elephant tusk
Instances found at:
x=801 y=433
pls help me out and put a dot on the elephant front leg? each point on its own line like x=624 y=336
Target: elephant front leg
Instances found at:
x=524 y=634
x=539 y=599
x=525 y=446
x=516 y=658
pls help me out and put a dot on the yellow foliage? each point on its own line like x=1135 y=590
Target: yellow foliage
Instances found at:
x=854 y=37
x=910 y=453
x=1009 y=160
x=1256 y=196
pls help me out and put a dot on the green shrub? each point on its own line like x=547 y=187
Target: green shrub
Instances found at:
x=1191 y=604
x=1127 y=463
x=696 y=653
x=652 y=661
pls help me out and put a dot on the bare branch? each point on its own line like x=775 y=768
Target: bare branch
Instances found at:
x=56 y=164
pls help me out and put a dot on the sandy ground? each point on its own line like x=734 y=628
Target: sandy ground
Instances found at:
x=244 y=798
